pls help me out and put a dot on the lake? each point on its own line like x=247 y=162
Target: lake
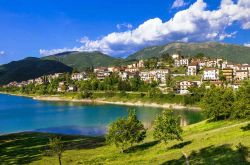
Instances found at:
x=18 y=114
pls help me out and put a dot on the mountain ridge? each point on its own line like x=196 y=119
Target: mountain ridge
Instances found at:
x=30 y=68
x=232 y=52
x=83 y=60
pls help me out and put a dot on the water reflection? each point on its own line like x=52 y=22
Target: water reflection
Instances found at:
x=24 y=114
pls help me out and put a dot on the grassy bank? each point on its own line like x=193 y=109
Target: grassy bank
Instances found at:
x=131 y=98
x=204 y=143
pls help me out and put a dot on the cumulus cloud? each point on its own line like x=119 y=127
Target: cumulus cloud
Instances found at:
x=124 y=26
x=178 y=4
x=247 y=44
x=2 y=53
x=194 y=24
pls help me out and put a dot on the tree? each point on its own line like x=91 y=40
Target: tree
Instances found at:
x=124 y=132
x=56 y=148
x=199 y=55
x=217 y=103
x=135 y=83
x=221 y=76
x=123 y=85
x=165 y=56
x=75 y=70
x=242 y=102
x=154 y=93
x=167 y=127
x=169 y=81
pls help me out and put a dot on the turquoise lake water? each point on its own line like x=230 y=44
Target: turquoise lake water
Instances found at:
x=18 y=114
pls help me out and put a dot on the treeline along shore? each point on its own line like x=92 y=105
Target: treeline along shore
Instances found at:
x=117 y=101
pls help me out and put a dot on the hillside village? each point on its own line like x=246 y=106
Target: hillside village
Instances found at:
x=184 y=72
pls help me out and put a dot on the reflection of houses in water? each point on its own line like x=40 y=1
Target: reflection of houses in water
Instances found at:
x=184 y=121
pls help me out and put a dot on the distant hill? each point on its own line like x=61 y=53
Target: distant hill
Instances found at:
x=66 y=61
x=234 y=53
x=82 y=60
x=30 y=68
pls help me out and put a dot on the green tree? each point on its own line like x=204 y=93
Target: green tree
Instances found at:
x=75 y=70
x=217 y=103
x=124 y=132
x=221 y=76
x=135 y=83
x=55 y=148
x=199 y=55
x=169 y=81
x=165 y=56
x=167 y=127
x=242 y=102
x=154 y=93
x=123 y=85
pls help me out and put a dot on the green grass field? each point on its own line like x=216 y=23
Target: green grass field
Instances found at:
x=204 y=143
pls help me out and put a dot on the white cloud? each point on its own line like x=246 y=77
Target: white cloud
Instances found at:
x=194 y=24
x=178 y=4
x=2 y=53
x=247 y=44
x=124 y=26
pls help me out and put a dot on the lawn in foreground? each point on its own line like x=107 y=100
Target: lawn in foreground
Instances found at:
x=204 y=143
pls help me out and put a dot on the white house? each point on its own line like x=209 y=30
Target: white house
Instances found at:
x=160 y=75
x=71 y=88
x=192 y=69
x=175 y=56
x=79 y=76
x=181 y=62
x=184 y=85
x=123 y=75
x=154 y=75
x=61 y=87
x=39 y=80
x=100 y=69
x=211 y=74
x=101 y=75
x=132 y=70
x=145 y=76
x=241 y=75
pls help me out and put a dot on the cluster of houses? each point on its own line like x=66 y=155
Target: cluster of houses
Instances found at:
x=211 y=70
x=38 y=81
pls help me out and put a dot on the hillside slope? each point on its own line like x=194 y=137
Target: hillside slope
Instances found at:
x=82 y=60
x=203 y=143
x=234 y=53
x=30 y=68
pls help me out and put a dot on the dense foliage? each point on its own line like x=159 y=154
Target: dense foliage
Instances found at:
x=223 y=103
x=241 y=104
x=126 y=131
x=167 y=127
x=30 y=68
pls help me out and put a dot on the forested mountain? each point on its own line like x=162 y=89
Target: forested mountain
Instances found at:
x=83 y=60
x=30 y=68
x=234 y=53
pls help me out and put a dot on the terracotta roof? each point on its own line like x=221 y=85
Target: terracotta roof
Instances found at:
x=193 y=63
x=241 y=70
x=227 y=68
x=210 y=69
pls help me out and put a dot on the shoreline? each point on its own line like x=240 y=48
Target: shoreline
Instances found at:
x=103 y=101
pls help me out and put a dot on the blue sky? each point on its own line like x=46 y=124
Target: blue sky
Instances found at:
x=116 y=27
